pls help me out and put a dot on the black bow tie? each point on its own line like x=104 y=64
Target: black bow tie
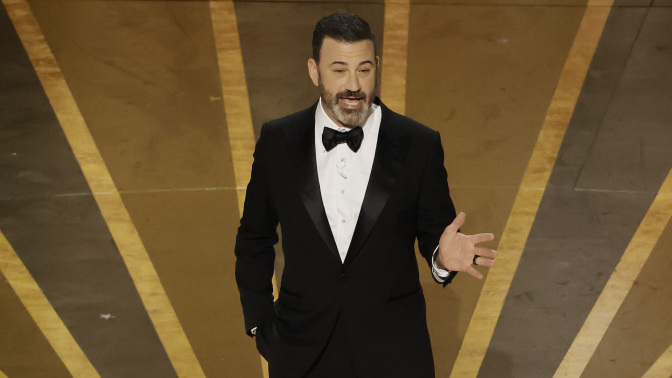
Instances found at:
x=331 y=137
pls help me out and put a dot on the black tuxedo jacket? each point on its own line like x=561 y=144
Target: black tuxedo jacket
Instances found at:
x=376 y=292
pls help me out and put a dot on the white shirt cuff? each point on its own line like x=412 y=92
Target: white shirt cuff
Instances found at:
x=439 y=274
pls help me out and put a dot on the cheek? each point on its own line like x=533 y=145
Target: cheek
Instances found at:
x=369 y=84
x=331 y=87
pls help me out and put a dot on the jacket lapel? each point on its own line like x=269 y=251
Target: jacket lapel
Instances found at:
x=389 y=158
x=301 y=143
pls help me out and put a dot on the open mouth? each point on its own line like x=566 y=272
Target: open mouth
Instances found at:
x=351 y=102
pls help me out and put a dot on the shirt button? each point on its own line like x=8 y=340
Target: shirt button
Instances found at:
x=342 y=220
x=342 y=191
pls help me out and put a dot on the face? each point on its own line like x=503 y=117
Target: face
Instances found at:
x=346 y=77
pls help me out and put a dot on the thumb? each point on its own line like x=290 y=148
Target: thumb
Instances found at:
x=457 y=222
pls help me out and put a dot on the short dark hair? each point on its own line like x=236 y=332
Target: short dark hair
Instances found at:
x=343 y=27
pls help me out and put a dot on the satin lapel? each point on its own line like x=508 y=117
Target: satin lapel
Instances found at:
x=301 y=138
x=390 y=157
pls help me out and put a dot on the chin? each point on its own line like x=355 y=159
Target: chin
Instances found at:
x=352 y=118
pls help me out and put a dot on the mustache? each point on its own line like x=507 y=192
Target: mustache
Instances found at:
x=350 y=94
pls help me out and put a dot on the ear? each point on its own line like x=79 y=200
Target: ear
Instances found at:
x=313 y=71
x=377 y=63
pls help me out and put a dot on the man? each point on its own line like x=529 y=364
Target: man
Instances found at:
x=353 y=185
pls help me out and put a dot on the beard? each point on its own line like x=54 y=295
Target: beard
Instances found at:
x=348 y=117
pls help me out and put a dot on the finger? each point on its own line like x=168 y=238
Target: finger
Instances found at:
x=480 y=238
x=482 y=261
x=473 y=272
x=457 y=223
x=485 y=252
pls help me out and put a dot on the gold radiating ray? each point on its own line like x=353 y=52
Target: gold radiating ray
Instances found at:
x=662 y=367
x=43 y=313
x=105 y=193
x=619 y=284
x=518 y=226
x=395 y=54
x=234 y=93
x=236 y=103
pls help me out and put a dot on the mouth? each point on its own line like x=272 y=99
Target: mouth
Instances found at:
x=351 y=102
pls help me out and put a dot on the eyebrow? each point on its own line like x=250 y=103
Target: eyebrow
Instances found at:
x=359 y=65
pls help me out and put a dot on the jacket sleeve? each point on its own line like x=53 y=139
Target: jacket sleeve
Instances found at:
x=435 y=208
x=257 y=234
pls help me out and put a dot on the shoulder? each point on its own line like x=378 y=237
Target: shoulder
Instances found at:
x=296 y=120
x=405 y=126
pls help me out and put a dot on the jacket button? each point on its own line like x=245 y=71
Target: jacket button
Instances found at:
x=343 y=277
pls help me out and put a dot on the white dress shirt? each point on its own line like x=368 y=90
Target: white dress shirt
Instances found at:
x=344 y=176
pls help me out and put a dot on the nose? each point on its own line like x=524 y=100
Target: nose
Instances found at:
x=353 y=83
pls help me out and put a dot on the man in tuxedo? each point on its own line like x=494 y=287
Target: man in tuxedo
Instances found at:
x=353 y=185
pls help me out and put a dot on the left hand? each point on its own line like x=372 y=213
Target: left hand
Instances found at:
x=457 y=251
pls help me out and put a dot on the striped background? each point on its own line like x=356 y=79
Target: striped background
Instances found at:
x=126 y=134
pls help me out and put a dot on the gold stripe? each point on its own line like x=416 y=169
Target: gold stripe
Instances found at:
x=662 y=367
x=105 y=192
x=43 y=313
x=234 y=93
x=236 y=104
x=2 y=375
x=395 y=51
x=526 y=205
x=619 y=284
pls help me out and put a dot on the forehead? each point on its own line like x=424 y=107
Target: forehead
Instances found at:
x=346 y=52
